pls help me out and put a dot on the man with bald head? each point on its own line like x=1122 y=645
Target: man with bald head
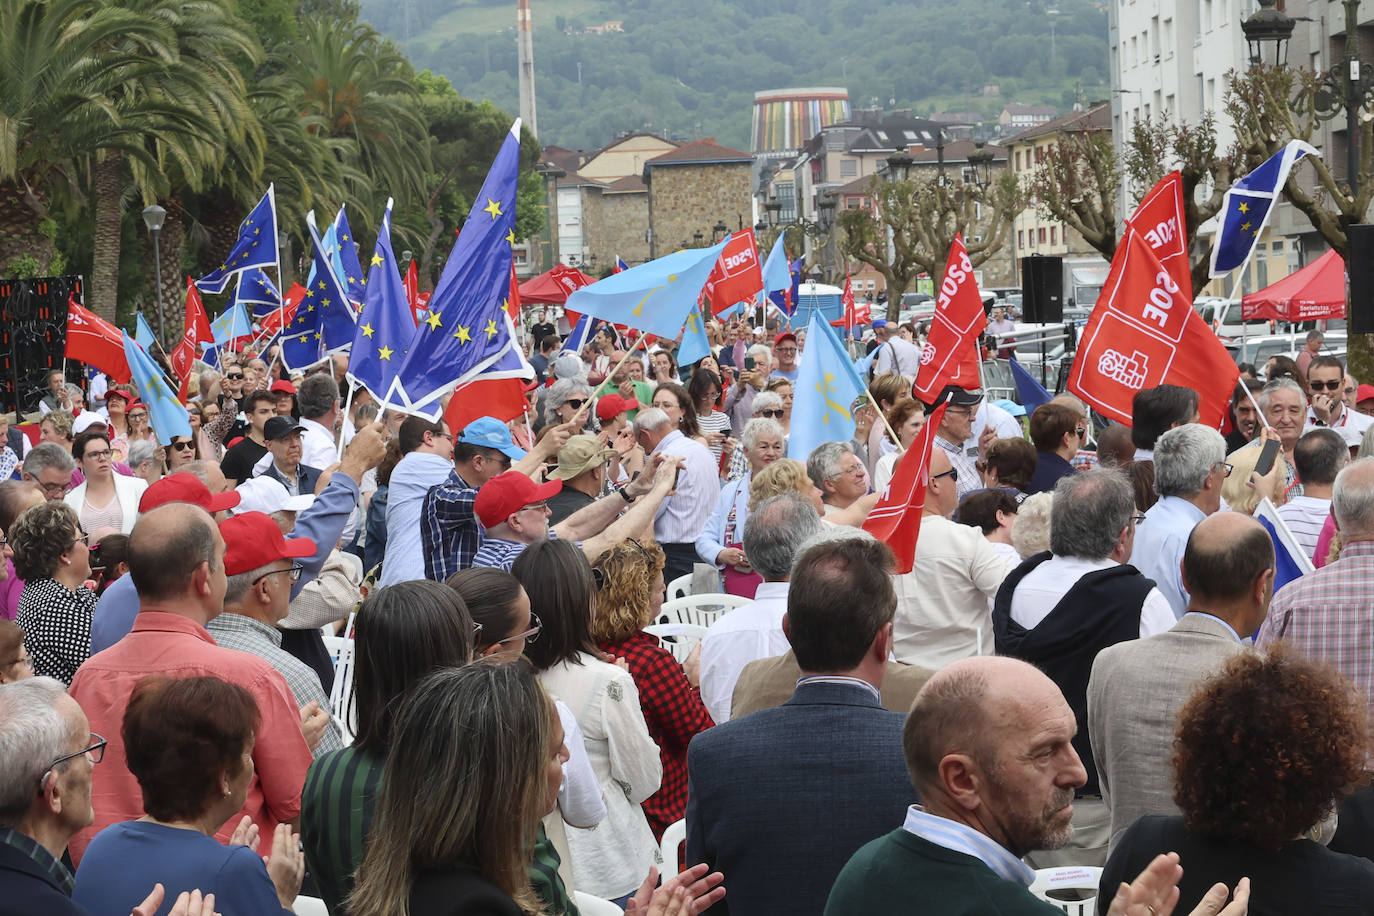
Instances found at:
x=1137 y=688
x=176 y=562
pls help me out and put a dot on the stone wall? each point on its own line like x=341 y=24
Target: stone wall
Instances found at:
x=614 y=224
x=688 y=198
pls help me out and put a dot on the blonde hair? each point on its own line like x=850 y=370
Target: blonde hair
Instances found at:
x=624 y=602
x=1234 y=489
x=1030 y=533
x=785 y=475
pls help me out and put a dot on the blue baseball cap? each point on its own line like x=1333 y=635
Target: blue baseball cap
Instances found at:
x=491 y=433
x=1011 y=407
x=879 y=322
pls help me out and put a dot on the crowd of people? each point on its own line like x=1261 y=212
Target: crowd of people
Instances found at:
x=1088 y=664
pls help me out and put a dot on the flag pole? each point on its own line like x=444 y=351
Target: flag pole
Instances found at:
x=348 y=404
x=1240 y=276
x=890 y=431
x=618 y=366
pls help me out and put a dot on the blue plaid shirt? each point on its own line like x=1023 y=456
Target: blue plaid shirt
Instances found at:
x=51 y=866
x=449 y=529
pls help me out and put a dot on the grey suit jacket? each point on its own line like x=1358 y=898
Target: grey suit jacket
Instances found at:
x=1134 y=696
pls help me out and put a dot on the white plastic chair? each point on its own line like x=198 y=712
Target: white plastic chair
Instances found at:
x=1072 y=888
x=341 y=697
x=677 y=638
x=309 y=906
x=674 y=835
x=595 y=906
x=702 y=610
x=680 y=587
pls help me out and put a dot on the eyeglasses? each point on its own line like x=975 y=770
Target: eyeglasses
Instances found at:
x=295 y=569
x=952 y=474
x=1223 y=464
x=103 y=453
x=529 y=635
x=55 y=489
x=785 y=350
x=235 y=376
x=188 y=445
x=96 y=750
x=540 y=507
x=575 y=403
x=1137 y=518
x=772 y=414
x=1329 y=385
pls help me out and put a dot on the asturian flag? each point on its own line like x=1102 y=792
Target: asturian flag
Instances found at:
x=384 y=327
x=695 y=344
x=826 y=387
x=143 y=333
x=1246 y=207
x=233 y=325
x=654 y=297
x=467 y=329
x=256 y=245
x=166 y=415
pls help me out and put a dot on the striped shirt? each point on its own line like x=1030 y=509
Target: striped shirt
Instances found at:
x=716 y=422
x=962 y=838
x=1305 y=516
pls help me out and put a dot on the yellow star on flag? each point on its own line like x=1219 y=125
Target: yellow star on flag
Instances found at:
x=1244 y=226
x=1242 y=208
x=490 y=329
x=256 y=231
x=324 y=302
x=367 y=330
x=343 y=238
x=322 y=285
x=385 y=353
x=434 y=322
x=317 y=335
x=376 y=259
x=510 y=237
x=309 y=293
x=462 y=335
x=312 y=308
x=493 y=208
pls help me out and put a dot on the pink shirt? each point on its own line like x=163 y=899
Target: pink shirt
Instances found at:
x=163 y=643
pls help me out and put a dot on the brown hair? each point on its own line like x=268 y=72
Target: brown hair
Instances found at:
x=623 y=603
x=1014 y=461
x=1049 y=422
x=688 y=424
x=40 y=535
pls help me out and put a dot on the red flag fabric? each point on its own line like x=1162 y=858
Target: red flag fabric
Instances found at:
x=959 y=319
x=737 y=275
x=1144 y=332
x=412 y=285
x=502 y=398
x=94 y=341
x=896 y=519
x=1160 y=220
x=197 y=330
x=854 y=313
x=272 y=322
x=513 y=300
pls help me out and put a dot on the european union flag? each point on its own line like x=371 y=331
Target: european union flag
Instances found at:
x=786 y=299
x=655 y=297
x=143 y=333
x=330 y=296
x=1246 y=207
x=464 y=331
x=301 y=338
x=346 y=263
x=258 y=292
x=384 y=326
x=695 y=344
x=826 y=385
x=256 y=245
x=166 y=415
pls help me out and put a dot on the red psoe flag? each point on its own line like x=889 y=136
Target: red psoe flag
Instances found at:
x=854 y=314
x=197 y=330
x=737 y=275
x=896 y=519
x=94 y=341
x=950 y=355
x=1144 y=333
x=1160 y=219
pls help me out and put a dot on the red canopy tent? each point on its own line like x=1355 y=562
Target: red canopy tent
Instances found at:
x=1316 y=291
x=553 y=285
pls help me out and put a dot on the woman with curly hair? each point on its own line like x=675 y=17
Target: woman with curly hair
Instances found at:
x=787 y=475
x=1261 y=753
x=56 y=608
x=628 y=599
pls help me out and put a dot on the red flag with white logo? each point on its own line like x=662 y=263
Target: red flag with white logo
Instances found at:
x=896 y=519
x=197 y=331
x=1161 y=222
x=94 y=341
x=737 y=275
x=1143 y=333
x=854 y=313
x=950 y=354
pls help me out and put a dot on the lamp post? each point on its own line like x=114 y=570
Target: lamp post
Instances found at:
x=719 y=231
x=899 y=165
x=697 y=238
x=981 y=161
x=773 y=208
x=153 y=217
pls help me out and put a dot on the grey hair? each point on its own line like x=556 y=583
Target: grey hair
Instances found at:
x=767 y=400
x=318 y=395
x=1278 y=384
x=828 y=533
x=1314 y=334
x=200 y=470
x=1030 y=533
x=207 y=378
x=46 y=455
x=1184 y=456
x=762 y=353
x=33 y=734
x=76 y=393
x=1366 y=449
x=236 y=586
x=650 y=419
x=141 y=450
x=763 y=426
x=1090 y=510
x=558 y=394
x=775 y=531
x=568 y=365
x=824 y=462
x=1352 y=498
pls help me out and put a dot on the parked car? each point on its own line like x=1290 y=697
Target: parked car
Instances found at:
x=1258 y=350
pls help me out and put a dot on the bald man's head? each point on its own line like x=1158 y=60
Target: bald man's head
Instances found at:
x=1226 y=556
x=168 y=546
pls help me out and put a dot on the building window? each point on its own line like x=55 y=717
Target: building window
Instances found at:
x=1054 y=235
x=1020 y=238
x=849 y=168
x=1018 y=160
x=1041 y=235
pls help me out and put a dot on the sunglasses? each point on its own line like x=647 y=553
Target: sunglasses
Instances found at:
x=1332 y=385
x=952 y=474
x=575 y=403
x=529 y=635
x=772 y=414
x=183 y=446
x=235 y=376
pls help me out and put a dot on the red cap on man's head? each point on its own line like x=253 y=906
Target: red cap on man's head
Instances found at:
x=785 y=335
x=1364 y=393
x=506 y=494
x=613 y=405
x=252 y=540
x=186 y=488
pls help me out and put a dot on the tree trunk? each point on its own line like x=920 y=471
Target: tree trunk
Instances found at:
x=20 y=236
x=102 y=292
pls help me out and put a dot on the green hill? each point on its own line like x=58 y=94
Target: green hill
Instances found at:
x=690 y=69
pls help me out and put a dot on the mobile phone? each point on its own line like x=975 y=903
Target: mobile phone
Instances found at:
x=1267 y=455
x=749 y=364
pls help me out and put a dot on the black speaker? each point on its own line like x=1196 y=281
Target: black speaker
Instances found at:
x=1042 y=289
x=33 y=338
x=1360 y=267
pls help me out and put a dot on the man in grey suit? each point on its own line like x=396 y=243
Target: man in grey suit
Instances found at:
x=1137 y=687
x=780 y=799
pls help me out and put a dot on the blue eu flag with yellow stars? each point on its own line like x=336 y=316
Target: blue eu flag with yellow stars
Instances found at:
x=1246 y=207
x=258 y=291
x=827 y=386
x=346 y=263
x=385 y=325
x=464 y=332
x=329 y=293
x=300 y=339
x=256 y=246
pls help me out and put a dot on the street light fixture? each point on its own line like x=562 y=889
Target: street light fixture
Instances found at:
x=981 y=161
x=1269 y=29
x=697 y=238
x=825 y=208
x=773 y=207
x=719 y=231
x=154 y=217
x=899 y=165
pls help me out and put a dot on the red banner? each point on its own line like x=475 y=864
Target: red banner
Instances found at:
x=412 y=285
x=1143 y=333
x=737 y=276
x=197 y=331
x=1160 y=220
x=896 y=519
x=513 y=298
x=94 y=341
x=959 y=319
x=854 y=313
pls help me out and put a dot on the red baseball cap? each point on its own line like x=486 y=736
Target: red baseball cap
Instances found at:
x=282 y=384
x=122 y=395
x=506 y=494
x=252 y=540
x=613 y=405
x=186 y=488
x=1364 y=393
x=785 y=335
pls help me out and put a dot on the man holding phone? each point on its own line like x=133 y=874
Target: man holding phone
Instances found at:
x=1325 y=379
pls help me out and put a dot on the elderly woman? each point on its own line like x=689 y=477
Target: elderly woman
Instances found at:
x=629 y=598
x=784 y=390
x=1252 y=789
x=55 y=610
x=564 y=399
x=767 y=405
x=138 y=423
x=787 y=475
x=1009 y=465
x=15 y=664
x=104 y=499
x=189 y=743
x=180 y=452
x=1030 y=532
x=908 y=418
x=15 y=497
x=402 y=632
x=673 y=399
x=146 y=459
x=992 y=511
x=721 y=542
x=57 y=427
x=614 y=859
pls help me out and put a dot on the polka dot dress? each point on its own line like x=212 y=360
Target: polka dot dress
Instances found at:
x=57 y=627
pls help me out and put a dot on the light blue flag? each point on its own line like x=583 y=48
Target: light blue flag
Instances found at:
x=777 y=272
x=166 y=415
x=384 y=325
x=232 y=325
x=695 y=344
x=346 y=263
x=826 y=385
x=864 y=363
x=654 y=297
x=256 y=245
x=143 y=333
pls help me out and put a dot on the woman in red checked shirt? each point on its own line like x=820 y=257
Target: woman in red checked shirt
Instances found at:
x=631 y=593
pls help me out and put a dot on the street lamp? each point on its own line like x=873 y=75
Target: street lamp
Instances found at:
x=899 y=165
x=153 y=217
x=719 y=231
x=697 y=238
x=773 y=207
x=1269 y=28
x=981 y=161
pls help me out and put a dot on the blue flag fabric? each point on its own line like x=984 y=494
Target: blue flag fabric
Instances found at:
x=1290 y=562
x=654 y=297
x=620 y=264
x=346 y=263
x=579 y=335
x=864 y=363
x=1031 y=392
x=464 y=332
x=329 y=294
x=166 y=415
x=300 y=339
x=695 y=344
x=1246 y=207
x=256 y=245
x=143 y=333
x=826 y=385
x=258 y=292
x=777 y=275
x=786 y=299
x=231 y=325
x=384 y=327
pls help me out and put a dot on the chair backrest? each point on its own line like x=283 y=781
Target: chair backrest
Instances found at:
x=680 y=587
x=1072 y=888
x=341 y=697
x=674 y=835
x=309 y=906
x=677 y=638
x=701 y=610
x=595 y=906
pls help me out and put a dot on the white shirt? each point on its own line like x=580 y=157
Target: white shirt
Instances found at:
x=943 y=603
x=738 y=637
x=897 y=354
x=1305 y=516
x=989 y=414
x=412 y=478
x=964 y=463
x=683 y=515
x=1350 y=424
x=1007 y=552
x=1045 y=586
x=318 y=449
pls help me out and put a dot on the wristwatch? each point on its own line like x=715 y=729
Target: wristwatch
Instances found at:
x=623 y=495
